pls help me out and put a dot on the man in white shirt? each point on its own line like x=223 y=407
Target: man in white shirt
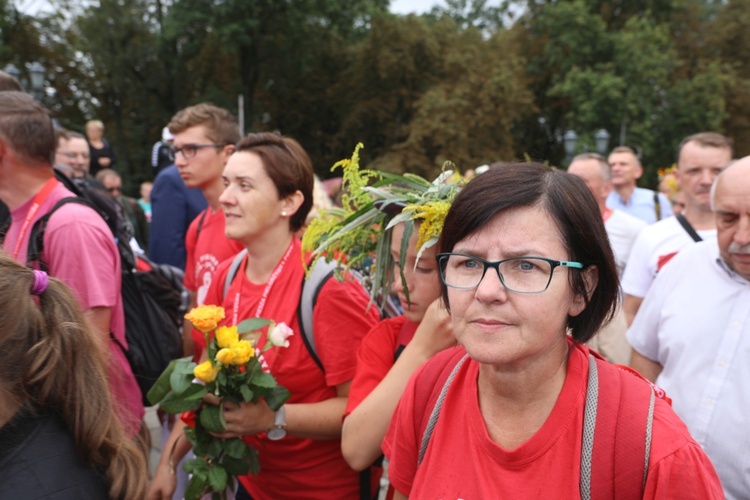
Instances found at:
x=622 y=229
x=692 y=334
x=700 y=158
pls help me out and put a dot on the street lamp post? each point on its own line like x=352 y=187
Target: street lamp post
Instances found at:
x=570 y=141
x=35 y=83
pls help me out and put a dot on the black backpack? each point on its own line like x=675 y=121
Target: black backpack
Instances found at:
x=153 y=297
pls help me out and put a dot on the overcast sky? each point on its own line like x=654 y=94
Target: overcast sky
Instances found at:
x=409 y=6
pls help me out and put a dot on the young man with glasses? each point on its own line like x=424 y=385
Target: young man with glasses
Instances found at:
x=204 y=139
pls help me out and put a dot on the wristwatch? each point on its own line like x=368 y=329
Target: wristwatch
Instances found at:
x=278 y=431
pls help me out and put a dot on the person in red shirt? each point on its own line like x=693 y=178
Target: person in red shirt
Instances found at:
x=413 y=338
x=204 y=139
x=267 y=194
x=524 y=259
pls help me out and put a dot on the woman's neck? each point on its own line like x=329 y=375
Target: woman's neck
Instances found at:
x=515 y=402
x=265 y=252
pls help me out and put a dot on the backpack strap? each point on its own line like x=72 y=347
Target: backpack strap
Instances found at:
x=618 y=421
x=321 y=272
x=657 y=206
x=36 y=238
x=443 y=379
x=688 y=228
x=311 y=286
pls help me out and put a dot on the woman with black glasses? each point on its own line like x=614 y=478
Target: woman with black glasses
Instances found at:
x=522 y=409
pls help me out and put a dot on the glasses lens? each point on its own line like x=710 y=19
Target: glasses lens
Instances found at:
x=461 y=271
x=526 y=275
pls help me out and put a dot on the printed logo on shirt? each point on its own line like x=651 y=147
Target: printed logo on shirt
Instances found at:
x=204 y=270
x=663 y=259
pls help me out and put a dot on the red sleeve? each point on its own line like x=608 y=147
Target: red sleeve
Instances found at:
x=375 y=358
x=190 y=241
x=341 y=319
x=401 y=445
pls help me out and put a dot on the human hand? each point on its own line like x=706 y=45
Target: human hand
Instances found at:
x=162 y=485
x=244 y=419
x=104 y=162
x=435 y=332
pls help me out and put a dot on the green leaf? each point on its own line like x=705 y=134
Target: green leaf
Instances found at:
x=235 y=448
x=217 y=478
x=195 y=465
x=195 y=487
x=173 y=403
x=214 y=448
x=252 y=324
x=161 y=386
x=195 y=392
x=236 y=466
x=277 y=397
x=254 y=462
x=247 y=393
x=265 y=380
x=181 y=377
x=212 y=418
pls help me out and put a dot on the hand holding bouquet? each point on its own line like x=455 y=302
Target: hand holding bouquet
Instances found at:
x=233 y=373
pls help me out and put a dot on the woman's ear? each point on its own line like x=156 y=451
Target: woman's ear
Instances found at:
x=291 y=203
x=590 y=277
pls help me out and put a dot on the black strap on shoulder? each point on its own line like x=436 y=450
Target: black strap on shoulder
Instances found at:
x=687 y=227
x=657 y=206
x=36 y=238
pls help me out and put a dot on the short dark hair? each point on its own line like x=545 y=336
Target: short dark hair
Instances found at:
x=575 y=212
x=288 y=166
x=27 y=127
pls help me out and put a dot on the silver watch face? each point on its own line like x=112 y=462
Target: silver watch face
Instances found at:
x=276 y=433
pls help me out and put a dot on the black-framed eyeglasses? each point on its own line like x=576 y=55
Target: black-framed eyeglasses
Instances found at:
x=190 y=150
x=519 y=274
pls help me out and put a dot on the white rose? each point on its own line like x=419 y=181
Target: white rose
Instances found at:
x=280 y=334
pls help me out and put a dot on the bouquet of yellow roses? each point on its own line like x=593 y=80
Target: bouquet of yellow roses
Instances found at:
x=231 y=372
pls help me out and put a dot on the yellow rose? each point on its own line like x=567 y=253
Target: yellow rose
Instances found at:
x=205 y=318
x=226 y=336
x=206 y=371
x=243 y=351
x=225 y=356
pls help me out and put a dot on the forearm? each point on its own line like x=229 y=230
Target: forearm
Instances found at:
x=647 y=368
x=630 y=307
x=99 y=319
x=316 y=420
x=365 y=428
x=176 y=446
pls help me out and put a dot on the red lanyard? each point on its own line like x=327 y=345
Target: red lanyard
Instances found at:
x=38 y=200
x=274 y=276
x=607 y=213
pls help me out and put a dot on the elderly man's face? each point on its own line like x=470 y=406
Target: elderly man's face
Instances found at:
x=732 y=208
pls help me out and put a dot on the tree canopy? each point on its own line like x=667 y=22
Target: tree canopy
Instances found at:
x=473 y=81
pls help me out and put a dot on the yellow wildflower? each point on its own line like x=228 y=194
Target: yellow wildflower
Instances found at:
x=225 y=356
x=205 y=318
x=226 y=336
x=206 y=371
x=243 y=351
x=431 y=215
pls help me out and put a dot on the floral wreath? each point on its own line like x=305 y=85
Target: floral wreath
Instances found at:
x=358 y=236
